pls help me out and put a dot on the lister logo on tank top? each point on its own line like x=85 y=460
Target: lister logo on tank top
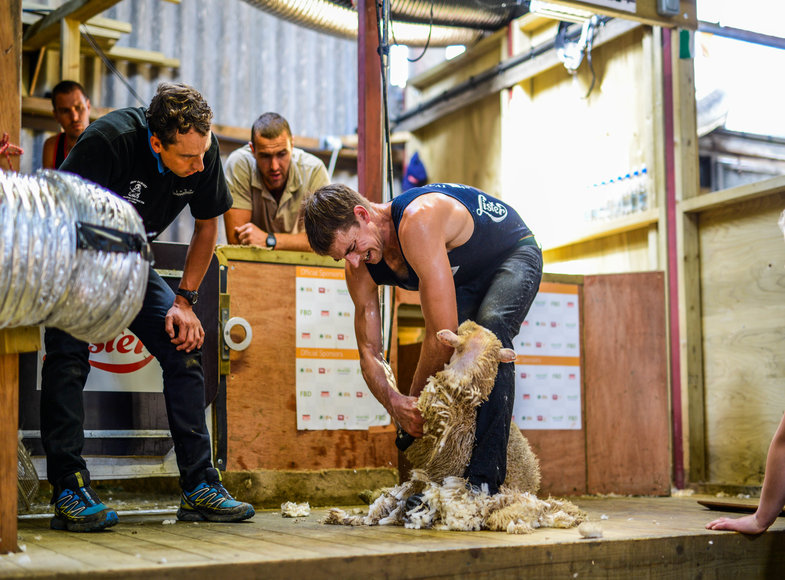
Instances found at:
x=496 y=211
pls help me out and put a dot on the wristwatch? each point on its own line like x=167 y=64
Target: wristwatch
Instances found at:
x=191 y=295
x=271 y=241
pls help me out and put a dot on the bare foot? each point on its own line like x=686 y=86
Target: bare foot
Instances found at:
x=745 y=525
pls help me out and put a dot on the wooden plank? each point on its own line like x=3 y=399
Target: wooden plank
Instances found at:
x=503 y=76
x=138 y=55
x=369 y=96
x=734 y=195
x=10 y=117
x=639 y=535
x=47 y=29
x=628 y=223
x=691 y=324
x=21 y=339
x=627 y=427
x=9 y=403
x=645 y=11
x=743 y=304
x=10 y=75
x=70 y=42
x=261 y=404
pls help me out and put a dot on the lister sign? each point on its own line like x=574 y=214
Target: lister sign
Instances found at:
x=121 y=364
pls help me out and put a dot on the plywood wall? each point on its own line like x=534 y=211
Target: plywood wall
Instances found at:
x=463 y=147
x=558 y=141
x=625 y=252
x=743 y=305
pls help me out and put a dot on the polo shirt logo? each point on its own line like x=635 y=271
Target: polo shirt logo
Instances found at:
x=135 y=190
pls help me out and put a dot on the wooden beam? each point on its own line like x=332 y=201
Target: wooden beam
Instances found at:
x=140 y=56
x=10 y=122
x=636 y=221
x=70 y=42
x=47 y=29
x=369 y=91
x=689 y=306
x=506 y=74
x=645 y=12
x=734 y=195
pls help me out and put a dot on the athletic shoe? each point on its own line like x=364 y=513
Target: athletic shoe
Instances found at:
x=77 y=507
x=211 y=502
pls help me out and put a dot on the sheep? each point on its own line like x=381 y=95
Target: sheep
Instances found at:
x=449 y=404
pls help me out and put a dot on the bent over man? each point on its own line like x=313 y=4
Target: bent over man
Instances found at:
x=470 y=256
x=159 y=159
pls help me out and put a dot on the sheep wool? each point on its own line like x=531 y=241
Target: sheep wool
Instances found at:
x=449 y=404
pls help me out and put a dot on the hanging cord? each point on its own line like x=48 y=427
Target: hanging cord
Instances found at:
x=383 y=27
x=9 y=149
x=427 y=41
x=108 y=63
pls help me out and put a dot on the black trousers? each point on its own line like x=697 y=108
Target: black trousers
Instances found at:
x=64 y=374
x=499 y=301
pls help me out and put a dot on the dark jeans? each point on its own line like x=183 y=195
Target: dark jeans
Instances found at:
x=499 y=302
x=64 y=374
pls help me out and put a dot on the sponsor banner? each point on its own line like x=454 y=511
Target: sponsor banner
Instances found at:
x=547 y=366
x=122 y=364
x=330 y=390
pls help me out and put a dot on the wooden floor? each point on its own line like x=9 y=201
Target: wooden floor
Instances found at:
x=642 y=538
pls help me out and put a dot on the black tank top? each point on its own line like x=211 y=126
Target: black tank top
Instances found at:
x=498 y=229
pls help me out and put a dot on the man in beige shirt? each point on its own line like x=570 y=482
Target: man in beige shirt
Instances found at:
x=269 y=179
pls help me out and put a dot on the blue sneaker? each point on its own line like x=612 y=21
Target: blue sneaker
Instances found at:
x=77 y=507
x=209 y=501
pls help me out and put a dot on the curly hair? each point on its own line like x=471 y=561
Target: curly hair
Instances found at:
x=329 y=210
x=177 y=108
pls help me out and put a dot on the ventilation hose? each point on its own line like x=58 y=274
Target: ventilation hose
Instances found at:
x=73 y=256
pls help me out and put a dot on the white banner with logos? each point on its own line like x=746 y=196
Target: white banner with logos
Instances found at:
x=122 y=364
x=331 y=392
x=547 y=368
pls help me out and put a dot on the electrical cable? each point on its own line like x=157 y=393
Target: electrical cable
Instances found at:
x=427 y=40
x=108 y=63
x=383 y=27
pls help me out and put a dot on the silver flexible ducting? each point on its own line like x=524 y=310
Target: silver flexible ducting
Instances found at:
x=415 y=22
x=51 y=274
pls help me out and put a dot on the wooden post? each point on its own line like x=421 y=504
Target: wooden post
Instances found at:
x=10 y=122
x=69 y=49
x=10 y=73
x=9 y=404
x=369 y=110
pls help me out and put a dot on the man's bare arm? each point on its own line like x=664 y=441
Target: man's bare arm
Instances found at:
x=425 y=233
x=233 y=219
x=376 y=372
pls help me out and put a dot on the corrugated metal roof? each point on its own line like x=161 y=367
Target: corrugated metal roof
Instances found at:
x=244 y=61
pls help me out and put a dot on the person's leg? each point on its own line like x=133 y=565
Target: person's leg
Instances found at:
x=502 y=311
x=63 y=376
x=203 y=497
x=183 y=380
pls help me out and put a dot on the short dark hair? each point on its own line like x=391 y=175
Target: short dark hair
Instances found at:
x=66 y=87
x=330 y=210
x=177 y=108
x=270 y=126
